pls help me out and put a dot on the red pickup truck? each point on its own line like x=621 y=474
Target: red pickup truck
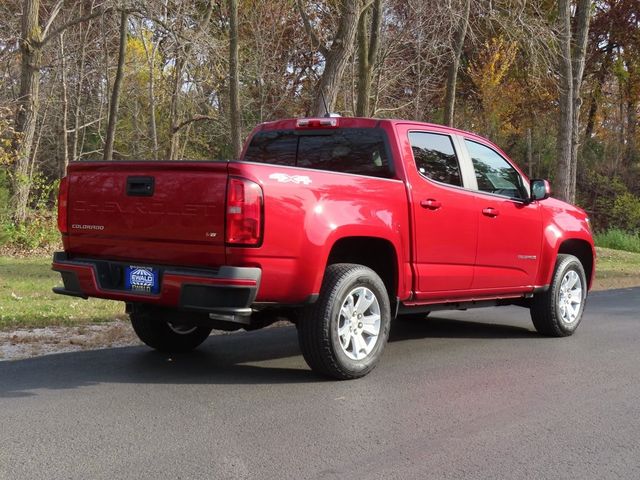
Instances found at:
x=339 y=224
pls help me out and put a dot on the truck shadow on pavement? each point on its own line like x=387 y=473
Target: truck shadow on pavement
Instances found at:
x=436 y=327
x=269 y=356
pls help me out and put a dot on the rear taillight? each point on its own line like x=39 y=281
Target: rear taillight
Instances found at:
x=244 y=213
x=63 y=202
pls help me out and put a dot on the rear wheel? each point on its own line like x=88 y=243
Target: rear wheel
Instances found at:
x=165 y=336
x=558 y=311
x=344 y=333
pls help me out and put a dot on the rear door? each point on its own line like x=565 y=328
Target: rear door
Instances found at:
x=444 y=214
x=509 y=228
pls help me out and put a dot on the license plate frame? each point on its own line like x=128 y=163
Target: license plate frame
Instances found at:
x=142 y=279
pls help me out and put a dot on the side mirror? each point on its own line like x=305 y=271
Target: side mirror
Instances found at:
x=540 y=189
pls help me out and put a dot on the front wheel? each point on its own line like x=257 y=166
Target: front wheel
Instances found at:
x=166 y=336
x=558 y=311
x=344 y=333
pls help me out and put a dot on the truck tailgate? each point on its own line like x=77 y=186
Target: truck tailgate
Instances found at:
x=157 y=212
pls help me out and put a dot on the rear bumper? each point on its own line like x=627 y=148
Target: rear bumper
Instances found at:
x=226 y=290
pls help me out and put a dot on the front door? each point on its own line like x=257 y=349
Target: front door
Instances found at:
x=509 y=228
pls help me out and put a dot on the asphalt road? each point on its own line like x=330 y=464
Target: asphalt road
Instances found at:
x=462 y=395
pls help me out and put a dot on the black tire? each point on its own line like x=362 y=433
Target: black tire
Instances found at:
x=158 y=333
x=547 y=312
x=318 y=324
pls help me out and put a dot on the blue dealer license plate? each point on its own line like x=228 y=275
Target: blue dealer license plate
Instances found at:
x=141 y=279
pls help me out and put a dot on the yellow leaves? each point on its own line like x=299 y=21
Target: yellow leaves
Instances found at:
x=489 y=73
x=140 y=53
x=8 y=138
x=135 y=51
x=491 y=67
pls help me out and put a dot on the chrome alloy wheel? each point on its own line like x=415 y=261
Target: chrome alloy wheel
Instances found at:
x=181 y=329
x=359 y=323
x=570 y=297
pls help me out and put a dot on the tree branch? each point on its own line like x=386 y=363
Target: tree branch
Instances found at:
x=88 y=124
x=205 y=21
x=76 y=21
x=366 y=6
x=195 y=118
x=374 y=40
x=52 y=17
x=315 y=41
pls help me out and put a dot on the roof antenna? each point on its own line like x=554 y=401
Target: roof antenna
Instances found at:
x=324 y=101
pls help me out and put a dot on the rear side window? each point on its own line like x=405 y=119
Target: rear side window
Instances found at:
x=361 y=151
x=277 y=147
x=435 y=157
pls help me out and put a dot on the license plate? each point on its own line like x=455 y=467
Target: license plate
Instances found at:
x=141 y=279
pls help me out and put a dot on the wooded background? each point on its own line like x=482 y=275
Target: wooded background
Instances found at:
x=555 y=83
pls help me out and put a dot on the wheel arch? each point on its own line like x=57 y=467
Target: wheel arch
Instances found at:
x=379 y=254
x=582 y=250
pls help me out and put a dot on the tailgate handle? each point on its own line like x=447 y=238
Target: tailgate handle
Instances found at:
x=140 y=186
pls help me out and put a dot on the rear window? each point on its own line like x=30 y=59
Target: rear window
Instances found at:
x=349 y=150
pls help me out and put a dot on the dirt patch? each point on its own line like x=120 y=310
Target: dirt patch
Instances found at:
x=25 y=343
x=22 y=252
x=617 y=282
x=33 y=342
x=616 y=269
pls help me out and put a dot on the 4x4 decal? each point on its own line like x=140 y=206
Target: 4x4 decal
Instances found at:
x=284 y=178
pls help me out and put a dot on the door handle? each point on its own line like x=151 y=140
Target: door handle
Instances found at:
x=431 y=204
x=490 y=212
x=140 y=186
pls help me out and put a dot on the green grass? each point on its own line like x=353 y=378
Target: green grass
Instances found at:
x=618 y=240
x=26 y=299
x=616 y=268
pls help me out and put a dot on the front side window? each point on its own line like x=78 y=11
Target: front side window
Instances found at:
x=494 y=174
x=435 y=157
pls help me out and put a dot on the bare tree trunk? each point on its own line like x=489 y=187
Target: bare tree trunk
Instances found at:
x=619 y=146
x=368 y=45
x=234 y=100
x=631 y=153
x=42 y=119
x=151 y=62
x=117 y=85
x=27 y=114
x=452 y=72
x=418 y=83
x=78 y=109
x=173 y=107
x=579 y=51
x=596 y=94
x=64 y=161
x=529 y=153
x=183 y=153
x=565 y=126
x=337 y=57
